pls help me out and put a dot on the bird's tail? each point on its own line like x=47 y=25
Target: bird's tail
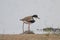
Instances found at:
x=21 y=19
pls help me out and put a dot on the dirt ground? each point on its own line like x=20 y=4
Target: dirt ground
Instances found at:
x=30 y=37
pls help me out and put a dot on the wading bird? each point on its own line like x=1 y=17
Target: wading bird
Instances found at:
x=29 y=20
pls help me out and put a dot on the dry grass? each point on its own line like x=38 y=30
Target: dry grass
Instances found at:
x=30 y=37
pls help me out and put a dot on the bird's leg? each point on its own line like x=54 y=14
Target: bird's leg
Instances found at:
x=23 y=27
x=29 y=27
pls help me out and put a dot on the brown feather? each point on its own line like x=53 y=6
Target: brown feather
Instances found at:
x=28 y=18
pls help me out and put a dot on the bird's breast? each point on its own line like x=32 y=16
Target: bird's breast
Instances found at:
x=31 y=21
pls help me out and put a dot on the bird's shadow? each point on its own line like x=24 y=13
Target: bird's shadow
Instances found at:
x=28 y=32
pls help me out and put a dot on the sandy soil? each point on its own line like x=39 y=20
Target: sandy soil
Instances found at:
x=30 y=37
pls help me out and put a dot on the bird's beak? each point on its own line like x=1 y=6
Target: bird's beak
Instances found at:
x=38 y=18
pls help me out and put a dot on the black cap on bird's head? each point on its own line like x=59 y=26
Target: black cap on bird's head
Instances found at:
x=36 y=16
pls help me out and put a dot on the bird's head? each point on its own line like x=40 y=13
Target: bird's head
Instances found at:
x=35 y=16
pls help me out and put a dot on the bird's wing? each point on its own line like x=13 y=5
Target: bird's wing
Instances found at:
x=28 y=18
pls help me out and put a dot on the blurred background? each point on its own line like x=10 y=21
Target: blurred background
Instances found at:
x=13 y=10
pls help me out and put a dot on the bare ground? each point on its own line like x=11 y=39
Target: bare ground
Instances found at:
x=30 y=37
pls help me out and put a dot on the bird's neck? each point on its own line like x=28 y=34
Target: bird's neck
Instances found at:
x=34 y=18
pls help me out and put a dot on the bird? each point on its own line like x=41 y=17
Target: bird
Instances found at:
x=28 y=20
